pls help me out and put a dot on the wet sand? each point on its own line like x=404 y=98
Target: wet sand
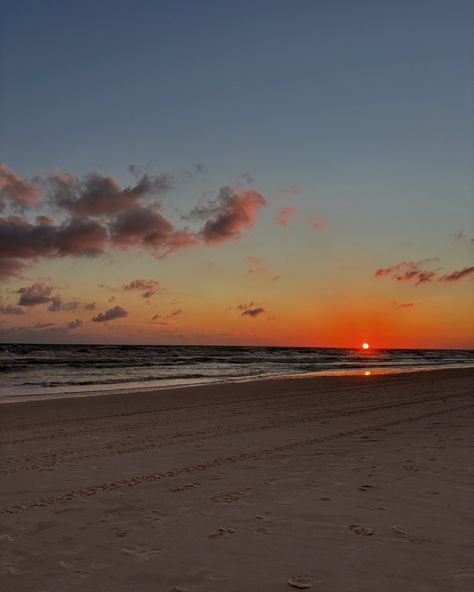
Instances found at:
x=329 y=483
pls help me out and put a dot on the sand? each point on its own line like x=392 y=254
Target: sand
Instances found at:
x=325 y=484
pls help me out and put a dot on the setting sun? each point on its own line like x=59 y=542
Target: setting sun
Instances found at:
x=365 y=346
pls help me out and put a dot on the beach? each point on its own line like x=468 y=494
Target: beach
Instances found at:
x=356 y=483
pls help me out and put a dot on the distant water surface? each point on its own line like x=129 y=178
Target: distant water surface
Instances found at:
x=32 y=371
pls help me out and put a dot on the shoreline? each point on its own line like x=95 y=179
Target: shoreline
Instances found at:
x=367 y=373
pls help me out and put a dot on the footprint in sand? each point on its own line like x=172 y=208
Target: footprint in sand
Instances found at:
x=466 y=571
x=361 y=529
x=399 y=531
x=183 y=487
x=226 y=498
x=220 y=532
x=301 y=582
x=143 y=553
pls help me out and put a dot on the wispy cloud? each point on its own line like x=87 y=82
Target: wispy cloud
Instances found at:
x=458 y=275
x=284 y=216
x=406 y=271
x=290 y=191
x=258 y=266
x=148 y=288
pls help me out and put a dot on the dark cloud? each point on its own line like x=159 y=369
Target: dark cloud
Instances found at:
x=233 y=210
x=148 y=287
x=56 y=304
x=22 y=240
x=74 y=324
x=283 y=216
x=253 y=312
x=16 y=191
x=147 y=227
x=37 y=293
x=90 y=306
x=96 y=195
x=117 y=312
x=457 y=275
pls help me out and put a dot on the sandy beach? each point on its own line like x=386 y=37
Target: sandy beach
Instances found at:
x=331 y=483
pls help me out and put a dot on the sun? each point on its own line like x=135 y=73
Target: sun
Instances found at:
x=365 y=346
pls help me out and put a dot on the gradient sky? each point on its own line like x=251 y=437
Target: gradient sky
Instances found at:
x=305 y=147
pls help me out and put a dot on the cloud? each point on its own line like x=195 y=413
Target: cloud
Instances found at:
x=404 y=304
x=148 y=287
x=37 y=293
x=406 y=271
x=38 y=331
x=233 y=210
x=246 y=306
x=253 y=312
x=11 y=310
x=250 y=309
x=284 y=216
x=16 y=191
x=96 y=195
x=10 y=268
x=97 y=212
x=117 y=312
x=56 y=304
x=290 y=191
x=257 y=265
x=147 y=227
x=319 y=223
x=457 y=275
x=90 y=306
x=22 y=242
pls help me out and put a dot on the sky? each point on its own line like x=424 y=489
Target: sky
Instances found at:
x=217 y=172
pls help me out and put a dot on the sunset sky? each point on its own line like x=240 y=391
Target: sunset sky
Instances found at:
x=265 y=172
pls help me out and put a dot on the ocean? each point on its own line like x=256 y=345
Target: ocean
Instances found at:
x=44 y=371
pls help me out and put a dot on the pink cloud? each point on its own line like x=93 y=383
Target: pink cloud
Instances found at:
x=284 y=216
x=232 y=211
x=17 y=191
